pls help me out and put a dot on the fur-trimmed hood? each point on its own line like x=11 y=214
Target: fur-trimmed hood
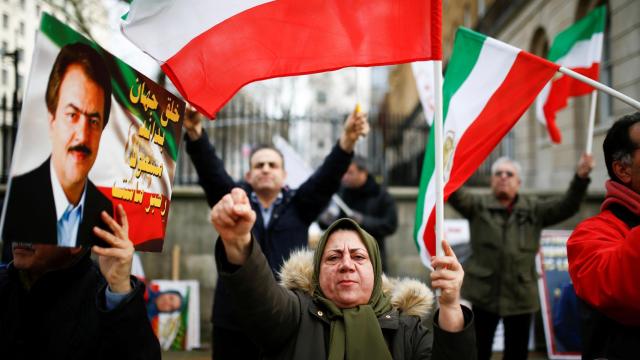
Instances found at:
x=409 y=296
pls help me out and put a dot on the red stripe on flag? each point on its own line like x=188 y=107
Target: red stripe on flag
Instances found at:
x=146 y=229
x=527 y=77
x=561 y=89
x=293 y=37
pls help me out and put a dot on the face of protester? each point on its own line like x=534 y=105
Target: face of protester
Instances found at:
x=76 y=127
x=346 y=272
x=36 y=259
x=505 y=181
x=354 y=177
x=630 y=173
x=168 y=302
x=267 y=171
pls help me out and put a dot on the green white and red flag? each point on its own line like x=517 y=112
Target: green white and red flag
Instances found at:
x=578 y=48
x=487 y=87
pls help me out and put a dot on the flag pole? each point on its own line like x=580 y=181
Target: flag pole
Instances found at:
x=437 y=121
x=600 y=86
x=592 y=120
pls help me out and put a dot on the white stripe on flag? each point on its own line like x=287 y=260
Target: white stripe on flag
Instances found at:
x=160 y=15
x=583 y=53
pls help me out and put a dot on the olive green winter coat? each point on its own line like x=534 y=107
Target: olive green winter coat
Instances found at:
x=500 y=275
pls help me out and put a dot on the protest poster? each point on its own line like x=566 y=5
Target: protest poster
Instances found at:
x=93 y=133
x=173 y=307
x=560 y=313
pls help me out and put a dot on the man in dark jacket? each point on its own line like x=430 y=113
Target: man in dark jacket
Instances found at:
x=369 y=204
x=604 y=253
x=500 y=276
x=284 y=215
x=55 y=303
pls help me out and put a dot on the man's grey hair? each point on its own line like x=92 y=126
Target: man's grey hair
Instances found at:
x=506 y=160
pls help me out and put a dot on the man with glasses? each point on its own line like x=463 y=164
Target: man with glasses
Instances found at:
x=500 y=277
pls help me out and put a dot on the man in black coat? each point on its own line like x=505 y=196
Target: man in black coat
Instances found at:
x=369 y=204
x=284 y=215
x=56 y=203
x=56 y=303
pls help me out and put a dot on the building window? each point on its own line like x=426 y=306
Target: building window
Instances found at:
x=467 y=16
x=21 y=28
x=5 y=47
x=22 y=4
x=481 y=8
x=5 y=77
x=5 y=21
x=321 y=97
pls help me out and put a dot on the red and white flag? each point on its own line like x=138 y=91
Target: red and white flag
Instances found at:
x=211 y=48
x=578 y=48
x=487 y=88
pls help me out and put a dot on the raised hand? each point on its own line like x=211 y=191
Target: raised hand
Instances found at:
x=355 y=126
x=115 y=262
x=585 y=165
x=233 y=218
x=192 y=123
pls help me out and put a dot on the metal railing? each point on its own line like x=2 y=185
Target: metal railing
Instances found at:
x=394 y=148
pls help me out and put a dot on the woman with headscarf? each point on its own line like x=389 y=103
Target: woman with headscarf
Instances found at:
x=337 y=308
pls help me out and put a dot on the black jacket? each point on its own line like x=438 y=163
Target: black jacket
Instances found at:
x=380 y=217
x=290 y=220
x=63 y=316
x=303 y=330
x=31 y=210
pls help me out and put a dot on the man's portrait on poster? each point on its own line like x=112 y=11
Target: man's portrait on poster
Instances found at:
x=56 y=203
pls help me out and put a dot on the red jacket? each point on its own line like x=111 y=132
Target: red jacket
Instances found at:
x=604 y=258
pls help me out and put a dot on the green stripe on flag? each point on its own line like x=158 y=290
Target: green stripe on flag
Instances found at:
x=122 y=75
x=466 y=51
x=584 y=29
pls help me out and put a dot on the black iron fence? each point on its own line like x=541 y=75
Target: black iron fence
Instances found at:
x=9 y=115
x=394 y=148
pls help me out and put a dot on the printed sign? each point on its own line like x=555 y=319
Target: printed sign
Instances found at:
x=93 y=133
x=558 y=299
x=173 y=307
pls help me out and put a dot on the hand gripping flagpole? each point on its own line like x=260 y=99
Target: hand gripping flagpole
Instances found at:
x=437 y=128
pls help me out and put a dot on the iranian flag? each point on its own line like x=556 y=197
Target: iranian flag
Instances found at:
x=211 y=48
x=578 y=48
x=487 y=87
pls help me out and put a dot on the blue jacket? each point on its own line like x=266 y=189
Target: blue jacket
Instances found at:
x=290 y=220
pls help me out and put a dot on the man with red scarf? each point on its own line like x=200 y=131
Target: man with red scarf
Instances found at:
x=604 y=253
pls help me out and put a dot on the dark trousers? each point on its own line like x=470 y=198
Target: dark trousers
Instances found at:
x=516 y=334
x=232 y=344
